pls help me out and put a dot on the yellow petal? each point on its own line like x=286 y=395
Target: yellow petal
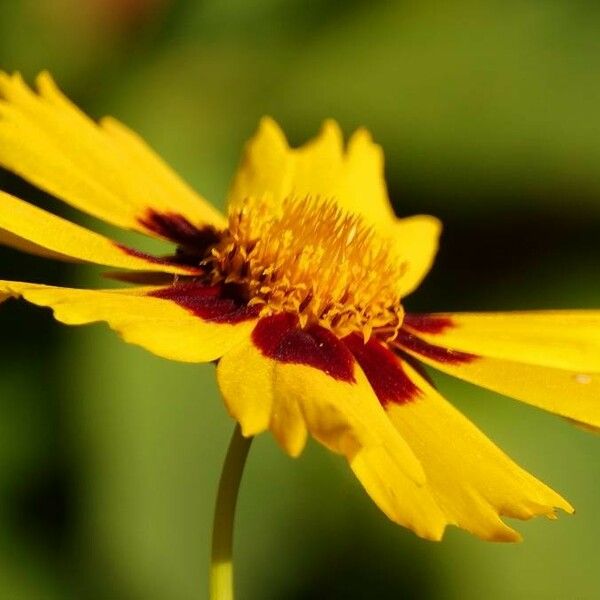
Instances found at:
x=570 y=392
x=162 y=326
x=567 y=393
x=283 y=392
x=471 y=479
x=314 y=371
x=247 y=381
x=322 y=168
x=564 y=339
x=365 y=178
x=415 y=240
x=354 y=177
x=403 y=502
x=105 y=170
x=33 y=230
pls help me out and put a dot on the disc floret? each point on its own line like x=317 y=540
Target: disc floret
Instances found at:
x=310 y=257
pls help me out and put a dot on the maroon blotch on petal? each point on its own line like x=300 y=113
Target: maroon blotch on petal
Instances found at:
x=178 y=229
x=425 y=323
x=159 y=260
x=279 y=337
x=408 y=341
x=143 y=277
x=383 y=370
x=219 y=303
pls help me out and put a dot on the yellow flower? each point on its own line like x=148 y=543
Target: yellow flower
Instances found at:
x=297 y=293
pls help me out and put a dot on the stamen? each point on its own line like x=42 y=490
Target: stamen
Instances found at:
x=309 y=257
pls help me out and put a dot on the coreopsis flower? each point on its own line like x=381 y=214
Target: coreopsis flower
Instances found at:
x=297 y=294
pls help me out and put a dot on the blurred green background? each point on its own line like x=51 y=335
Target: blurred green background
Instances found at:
x=489 y=114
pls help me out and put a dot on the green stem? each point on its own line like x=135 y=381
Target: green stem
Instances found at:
x=221 y=564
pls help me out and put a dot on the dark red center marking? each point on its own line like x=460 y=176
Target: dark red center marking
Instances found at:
x=159 y=260
x=219 y=303
x=428 y=323
x=383 y=370
x=279 y=337
x=409 y=341
x=178 y=229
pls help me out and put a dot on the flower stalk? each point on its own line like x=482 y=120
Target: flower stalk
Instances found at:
x=221 y=565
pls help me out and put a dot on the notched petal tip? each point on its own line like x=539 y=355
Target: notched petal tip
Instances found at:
x=320 y=168
x=45 y=82
x=473 y=482
x=563 y=504
x=289 y=431
x=508 y=536
x=331 y=135
x=269 y=130
x=360 y=136
x=6 y=76
x=47 y=140
x=362 y=147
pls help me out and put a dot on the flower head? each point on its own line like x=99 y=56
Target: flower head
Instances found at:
x=297 y=293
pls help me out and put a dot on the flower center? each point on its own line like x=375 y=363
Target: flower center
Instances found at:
x=309 y=257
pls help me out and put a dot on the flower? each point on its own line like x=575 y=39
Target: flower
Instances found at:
x=297 y=293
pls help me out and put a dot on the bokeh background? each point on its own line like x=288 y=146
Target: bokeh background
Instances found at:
x=489 y=114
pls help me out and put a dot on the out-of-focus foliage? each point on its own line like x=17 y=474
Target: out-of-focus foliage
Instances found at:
x=489 y=116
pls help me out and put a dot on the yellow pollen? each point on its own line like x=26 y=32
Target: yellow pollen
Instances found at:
x=310 y=257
